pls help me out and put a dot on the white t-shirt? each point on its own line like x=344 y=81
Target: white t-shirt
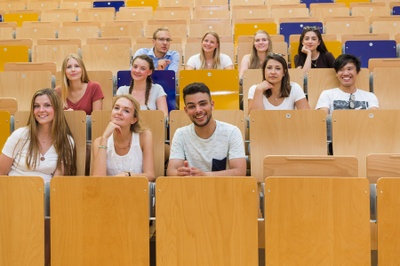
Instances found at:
x=195 y=63
x=336 y=99
x=156 y=92
x=296 y=93
x=16 y=147
x=212 y=154
x=130 y=162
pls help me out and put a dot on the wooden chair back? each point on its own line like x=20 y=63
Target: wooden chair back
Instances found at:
x=215 y=218
x=21 y=220
x=301 y=212
x=82 y=218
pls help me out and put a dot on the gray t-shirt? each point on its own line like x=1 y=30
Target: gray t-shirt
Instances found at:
x=212 y=154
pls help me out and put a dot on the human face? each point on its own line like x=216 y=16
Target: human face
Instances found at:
x=43 y=110
x=140 y=69
x=73 y=71
x=209 y=43
x=274 y=71
x=347 y=75
x=162 y=43
x=261 y=42
x=199 y=108
x=311 y=41
x=123 y=112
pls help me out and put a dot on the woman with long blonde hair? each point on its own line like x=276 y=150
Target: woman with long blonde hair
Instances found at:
x=210 y=56
x=45 y=147
x=76 y=90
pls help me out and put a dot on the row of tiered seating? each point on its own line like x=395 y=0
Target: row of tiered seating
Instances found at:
x=309 y=219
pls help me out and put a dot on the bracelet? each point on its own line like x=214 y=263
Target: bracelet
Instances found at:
x=103 y=147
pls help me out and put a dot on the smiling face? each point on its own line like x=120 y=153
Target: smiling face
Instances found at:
x=123 y=113
x=274 y=71
x=311 y=40
x=347 y=76
x=73 y=70
x=209 y=43
x=261 y=42
x=140 y=69
x=199 y=108
x=43 y=110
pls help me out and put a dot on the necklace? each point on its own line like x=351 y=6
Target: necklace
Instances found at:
x=123 y=148
x=44 y=141
x=314 y=62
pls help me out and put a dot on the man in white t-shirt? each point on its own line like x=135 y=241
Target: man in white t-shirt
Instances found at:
x=346 y=96
x=207 y=146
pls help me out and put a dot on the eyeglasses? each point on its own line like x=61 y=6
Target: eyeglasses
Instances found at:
x=352 y=102
x=311 y=28
x=278 y=54
x=164 y=39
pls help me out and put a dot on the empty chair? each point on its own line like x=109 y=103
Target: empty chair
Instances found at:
x=321 y=11
x=364 y=37
x=12 y=5
x=136 y=3
x=346 y=25
x=310 y=2
x=382 y=165
x=86 y=215
x=347 y=2
x=79 y=30
x=31 y=66
x=97 y=14
x=305 y=165
x=42 y=5
x=370 y=49
x=388 y=220
x=173 y=13
x=211 y=12
x=225 y=94
x=24 y=85
x=114 y=3
x=22 y=220
x=220 y=230
x=198 y=27
x=386 y=24
x=134 y=13
x=107 y=53
x=317 y=220
x=9 y=104
x=287 y=133
x=122 y=29
x=175 y=3
x=55 y=50
x=283 y=11
x=5 y=122
x=7 y=30
x=248 y=11
x=79 y=4
x=59 y=15
x=20 y=16
x=369 y=9
x=14 y=53
x=362 y=132
x=382 y=62
x=384 y=80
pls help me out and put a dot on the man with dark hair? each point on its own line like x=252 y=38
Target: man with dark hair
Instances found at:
x=207 y=146
x=163 y=58
x=346 y=96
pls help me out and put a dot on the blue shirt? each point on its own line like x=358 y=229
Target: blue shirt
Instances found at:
x=171 y=55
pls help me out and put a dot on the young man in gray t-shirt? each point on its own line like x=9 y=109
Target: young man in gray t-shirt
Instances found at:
x=207 y=146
